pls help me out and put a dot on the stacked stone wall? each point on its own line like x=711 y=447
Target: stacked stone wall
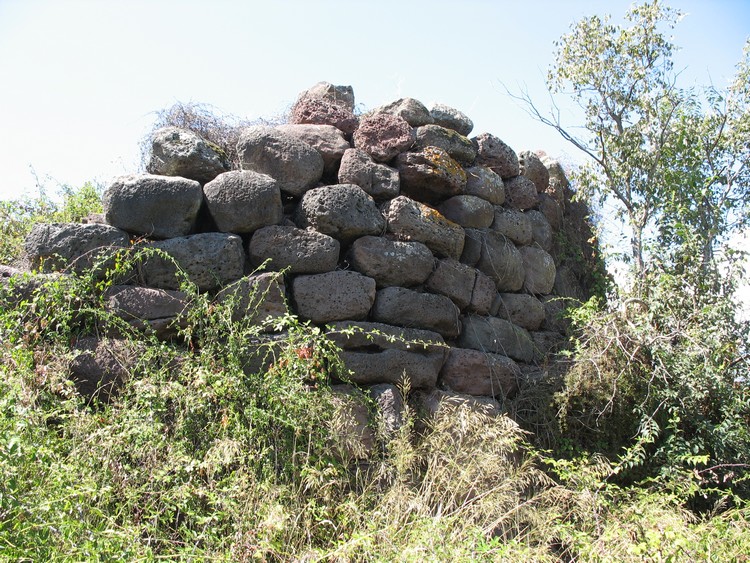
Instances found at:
x=391 y=224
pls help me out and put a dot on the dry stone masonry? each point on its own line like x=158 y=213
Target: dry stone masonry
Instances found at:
x=395 y=223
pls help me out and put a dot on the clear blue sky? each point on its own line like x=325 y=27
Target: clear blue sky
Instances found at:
x=81 y=79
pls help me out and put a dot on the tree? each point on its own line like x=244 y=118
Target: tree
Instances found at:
x=675 y=163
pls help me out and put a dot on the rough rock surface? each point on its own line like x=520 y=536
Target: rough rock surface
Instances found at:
x=159 y=207
x=483 y=294
x=383 y=136
x=210 y=260
x=340 y=95
x=160 y=311
x=514 y=224
x=378 y=180
x=179 y=152
x=454 y=280
x=333 y=296
x=552 y=211
x=521 y=309
x=480 y=373
x=404 y=307
x=101 y=365
x=390 y=406
x=430 y=174
x=294 y=164
x=413 y=221
x=541 y=230
x=483 y=182
x=496 y=155
x=259 y=299
x=520 y=193
x=297 y=251
x=343 y=211
x=410 y=110
x=540 y=270
x=391 y=262
x=497 y=336
x=501 y=261
x=446 y=116
x=242 y=201
x=57 y=246
x=468 y=211
x=320 y=111
x=352 y=435
x=457 y=146
x=328 y=140
x=534 y=169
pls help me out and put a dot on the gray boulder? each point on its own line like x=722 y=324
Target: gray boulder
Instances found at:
x=242 y=201
x=496 y=155
x=497 y=336
x=259 y=299
x=468 y=211
x=179 y=152
x=441 y=400
x=378 y=180
x=298 y=251
x=333 y=296
x=351 y=431
x=521 y=309
x=541 y=230
x=480 y=373
x=483 y=294
x=343 y=211
x=514 y=224
x=340 y=95
x=409 y=109
x=326 y=139
x=159 y=207
x=160 y=311
x=383 y=136
x=547 y=343
x=58 y=246
x=483 y=182
x=454 y=280
x=451 y=118
x=209 y=260
x=403 y=307
x=457 y=146
x=391 y=262
x=552 y=211
x=101 y=365
x=413 y=221
x=294 y=164
x=554 y=313
x=540 y=270
x=520 y=193
x=534 y=169
x=430 y=174
x=472 y=246
x=501 y=261
x=381 y=353
x=390 y=407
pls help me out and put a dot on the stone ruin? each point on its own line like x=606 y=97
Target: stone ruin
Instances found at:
x=394 y=223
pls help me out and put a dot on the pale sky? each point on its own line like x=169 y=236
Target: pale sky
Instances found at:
x=80 y=80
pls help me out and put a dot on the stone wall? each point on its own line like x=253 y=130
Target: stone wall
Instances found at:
x=394 y=223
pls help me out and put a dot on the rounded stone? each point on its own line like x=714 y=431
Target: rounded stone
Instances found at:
x=242 y=201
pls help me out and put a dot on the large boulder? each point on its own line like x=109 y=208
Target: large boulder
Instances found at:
x=57 y=246
x=160 y=311
x=391 y=262
x=242 y=201
x=520 y=193
x=382 y=353
x=410 y=110
x=468 y=211
x=179 y=152
x=497 y=336
x=500 y=260
x=521 y=309
x=541 y=230
x=534 y=169
x=159 y=207
x=294 y=164
x=483 y=182
x=320 y=111
x=297 y=251
x=378 y=180
x=404 y=307
x=430 y=174
x=383 y=136
x=496 y=155
x=480 y=373
x=514 y=224
x=413 y=221
x=552 y=211
x=326 y=139
x=209 y=260
x=454 y=280
x=457 y=146
x=343 y=211
x=101 y=365
x=340 y=95
x=483 y=294
x=540 y=270
x=333 y=296
x=451 y=118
